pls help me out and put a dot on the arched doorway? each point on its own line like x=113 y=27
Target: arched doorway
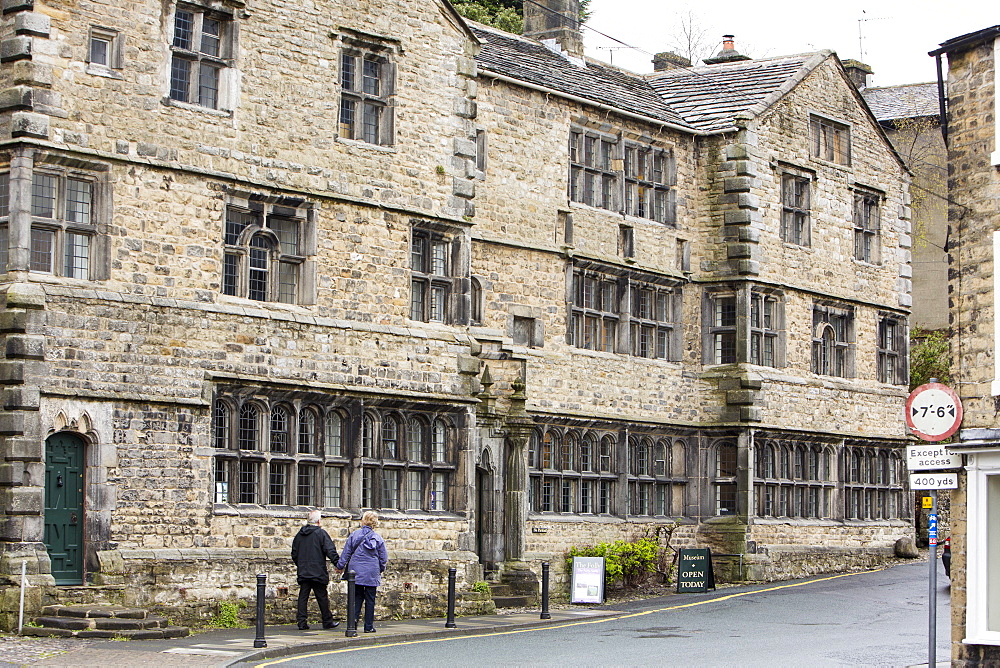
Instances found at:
x=64 y=469
x=488 y=537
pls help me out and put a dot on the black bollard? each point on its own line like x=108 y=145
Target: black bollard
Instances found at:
x=261 y=587
x=352 y=618
x=450 y=624
x=545 y=591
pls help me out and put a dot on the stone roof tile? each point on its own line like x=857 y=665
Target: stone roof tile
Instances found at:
x=711 y=97
x=533 y=63
x=908 y=101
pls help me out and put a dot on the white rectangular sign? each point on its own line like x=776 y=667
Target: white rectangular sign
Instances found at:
x=931 y=457
x=588 y=580
x=933 y=481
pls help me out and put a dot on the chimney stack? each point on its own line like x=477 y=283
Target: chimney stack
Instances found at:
x=668 y=60
x=858 y=73
x=728 y=54
x=555 y=19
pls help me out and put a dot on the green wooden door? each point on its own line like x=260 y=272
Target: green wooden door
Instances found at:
x=64 y=507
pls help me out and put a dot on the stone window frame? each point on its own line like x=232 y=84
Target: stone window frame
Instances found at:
x=867 y=222
x=481 y=157
x=874 y=483
x=720 y=344
x=603 y=312
x=51 y=229
x=275 y=464
x=219 y=59
x=794 y=479
x=767 y=330
x=245 y=244
x=892 y=341
x=439 y=284
x=106 y=60
x=359 y=52
x=560 y=479
x=724 y=472
x=593 y=177
x=389 y=475
x=833 y=340
x=830 y=140
x=649 y=174
x=653 y=485
x=796 y=206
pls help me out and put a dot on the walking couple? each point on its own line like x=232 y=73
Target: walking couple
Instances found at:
x=364 y=553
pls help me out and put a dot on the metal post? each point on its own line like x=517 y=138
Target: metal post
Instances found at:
x=545 y=591
x=450 y=624
x=352 y=618
x=261 y=590
x=932 y=598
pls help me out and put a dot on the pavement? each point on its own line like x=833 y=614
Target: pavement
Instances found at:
x=235 y=647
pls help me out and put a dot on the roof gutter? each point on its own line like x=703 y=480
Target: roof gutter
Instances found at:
x=603 y=107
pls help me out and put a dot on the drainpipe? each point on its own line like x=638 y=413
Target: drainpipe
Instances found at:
x=942 y=100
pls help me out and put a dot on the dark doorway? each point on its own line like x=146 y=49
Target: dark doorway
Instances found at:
x=64 y=465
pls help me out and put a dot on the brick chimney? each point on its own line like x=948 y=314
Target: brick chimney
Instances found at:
x=858 y=73
x=729 y=54
x=668 y=60
x=555 y=19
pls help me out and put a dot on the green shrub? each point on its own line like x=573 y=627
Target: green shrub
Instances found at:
x=630 y=562
x=482 y=587
x=228 y=616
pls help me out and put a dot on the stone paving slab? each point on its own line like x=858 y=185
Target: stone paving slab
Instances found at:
x=234 y=647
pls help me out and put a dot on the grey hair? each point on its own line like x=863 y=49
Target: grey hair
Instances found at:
x=314 y=517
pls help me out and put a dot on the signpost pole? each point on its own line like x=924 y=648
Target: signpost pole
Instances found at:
x=932 y=594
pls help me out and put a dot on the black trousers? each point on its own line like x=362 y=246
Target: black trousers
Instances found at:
x=322 y=599
x=365 y=594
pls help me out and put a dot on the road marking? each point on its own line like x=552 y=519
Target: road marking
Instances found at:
x=600 y=620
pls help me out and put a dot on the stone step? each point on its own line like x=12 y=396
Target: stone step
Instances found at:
x=513 y=601
x=94 y=611
x=131 y=634
x=500 y=590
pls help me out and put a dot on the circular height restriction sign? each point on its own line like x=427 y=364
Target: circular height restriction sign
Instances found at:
x=933 y=412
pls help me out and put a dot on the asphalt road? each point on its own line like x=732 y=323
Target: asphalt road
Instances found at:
x=875 y=618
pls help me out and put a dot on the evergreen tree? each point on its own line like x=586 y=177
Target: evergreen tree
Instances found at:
x=503 y=14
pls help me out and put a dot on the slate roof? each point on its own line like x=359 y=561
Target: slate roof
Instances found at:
x=530 y=61
x=909 y=101
x=709 y=98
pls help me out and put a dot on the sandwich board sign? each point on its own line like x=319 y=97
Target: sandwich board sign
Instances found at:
x=694 y=571
x=588 y=580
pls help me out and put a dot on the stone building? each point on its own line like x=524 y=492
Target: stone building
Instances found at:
x=261 y=257
x=973 y=138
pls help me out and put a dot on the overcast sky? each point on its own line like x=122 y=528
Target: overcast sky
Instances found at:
x=895 y=35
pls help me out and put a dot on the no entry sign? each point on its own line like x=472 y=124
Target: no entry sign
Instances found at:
x=933 y=412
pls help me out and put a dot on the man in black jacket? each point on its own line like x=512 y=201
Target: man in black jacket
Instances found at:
x=311 y=548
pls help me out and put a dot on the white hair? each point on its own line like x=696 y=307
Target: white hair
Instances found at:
x=314 y=517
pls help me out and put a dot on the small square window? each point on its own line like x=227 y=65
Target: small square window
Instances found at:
x=104 y=51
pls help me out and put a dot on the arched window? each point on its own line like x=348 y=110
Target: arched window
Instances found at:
x=607 y=454
x=476 y=299
x=547 y=449
x=279 y=429
x=390 y=437
x=307 y=432
x=221 y=433
x=334 y=434
x=640 y=457
x=727 y=463
x=262 y=258
x=567 y=450
x=588 y=449
x=661 y=461
x=439 y=441
x=416 y=440
x=249 y=430
x=368 y=436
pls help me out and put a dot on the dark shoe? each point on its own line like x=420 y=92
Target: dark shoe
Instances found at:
x=303 y=627
x=371 y=630
x=332 y=625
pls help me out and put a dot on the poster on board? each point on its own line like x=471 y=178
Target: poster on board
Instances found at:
x=588 y=580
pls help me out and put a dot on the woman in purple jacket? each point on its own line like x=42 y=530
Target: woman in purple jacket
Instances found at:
x=365 y=554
